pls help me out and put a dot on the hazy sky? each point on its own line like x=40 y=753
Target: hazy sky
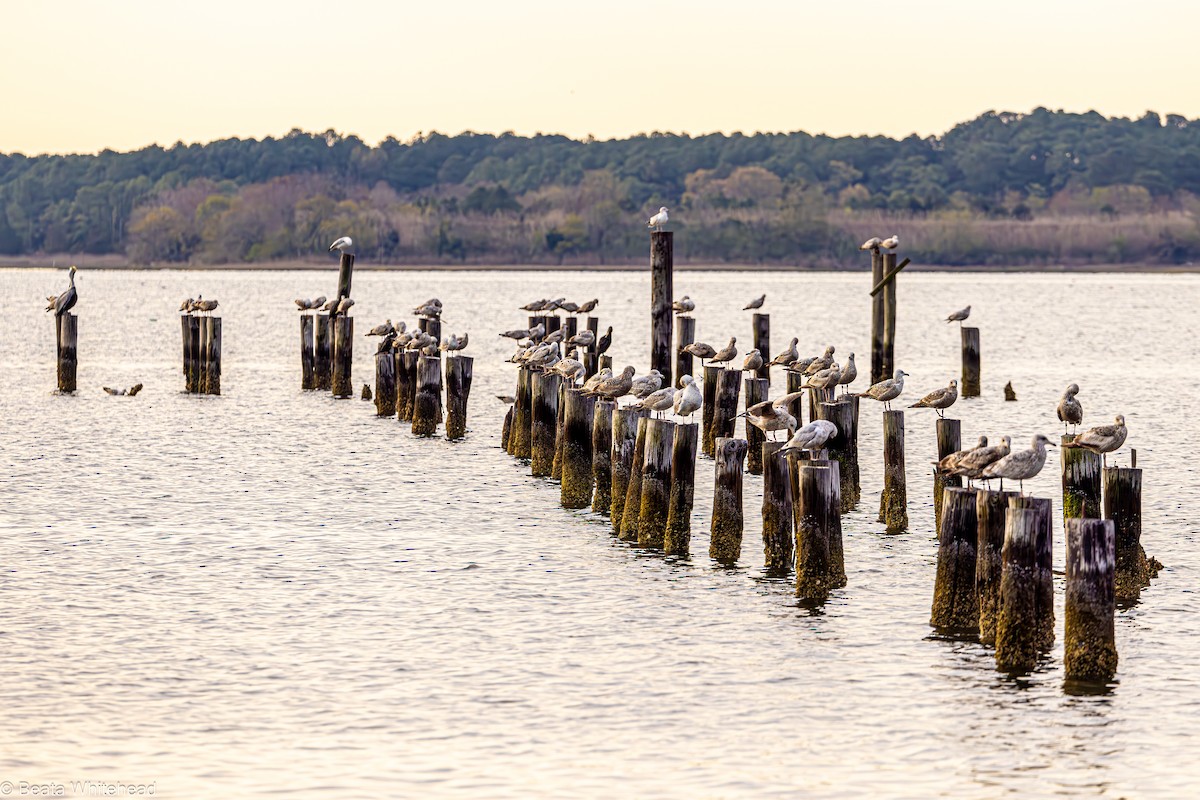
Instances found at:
x=82 y=75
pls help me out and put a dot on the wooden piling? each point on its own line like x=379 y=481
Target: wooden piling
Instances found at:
x=685 y=334
x=624 y=441
x=756 y=392
x=605 y=362
x=191 y=355
x=308 y=380
x=893 y=502
x=1089 y=636
x=795 y=382
x=949 y=440
x=202 y=356
x=776 y=510
x=577 y=449
x=602 y=431
x=729 y=387
x=708 y=408
x=662 y=257
x=322 y=353
x=1081 y=481
x=725 y=537
x=1025 y=625
x=427 y=410
x=345 y=274
x=385 y=384
x=991 y=510
x=1123 y=505
x=970 y=362
x=591 y=360
x=342 y=384
x=762 y=343
x=877 y=319
x=506 y=429
x=520 y=440
x=66 y=334
x=212 y=355
x=406 y=385
x=814 y=484
x=544 y=391
x=843 y=448
x=431 y=326
x=677 y=539
x=632 y=506
x=889 y=316
x=459 y=372
x=656 y=484
x=556 y=467
x=955 y=602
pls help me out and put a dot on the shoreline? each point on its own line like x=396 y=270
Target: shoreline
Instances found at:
x=119 y=264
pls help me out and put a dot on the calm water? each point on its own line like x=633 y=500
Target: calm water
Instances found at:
x=274 y=593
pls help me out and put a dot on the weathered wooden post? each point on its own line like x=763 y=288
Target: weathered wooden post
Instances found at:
x=385 y=383
x=991 y=509
x=949 y=440
x=202 y=356
x=406 y=386
x=843 y=448
x=66 y=330
x=212 y=355
x=602 y=431
x=632 y=507
x=556 y=467
x=343 y=356
x=677 y=540
x=877 y=319
x=591 y=358
x=656 y=484
x=756 y=392
x=427 y=410
x=725 y=538
x=708 y=408
x=889 y=315
x=544 y=392
x=729 y=386
x=1080 y=481
x=459 y=372
x=795 y=383
x=685 y=334
x=955 y=601
x=776 y=510
x=662 y=268
x=506 y=429
x=605 y=362
x=577 y=449
x=1123 y=505
x=345 y=274
x=1089 y=637
x=624 y=440
x=431 y=326
x=551 y=322
x=520 y=438
x=191 y=355
x=762 y=343
x=308 y=378
x=970 y=362
x=893 y=503
x=1016 y=624
x=323 y=354
x=814 y=484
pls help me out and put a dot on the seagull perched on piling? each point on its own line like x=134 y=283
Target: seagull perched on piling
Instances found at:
x=871 y=244
x=342 y=245
x=755 y=303
x=849 y=374
x=788 y=356
x=381 y=330
x=1021 y=465
x=658 y=220
x=646 y=385
x=700 y=350
x=768 y=417
x=588 y=307
x=1070 y=412
x=1102 y=439
x=947 y=464
x=727 y=353
x=939 y=399
x=753 y=361
x=886 y=390
x=812 y=436
x=689 y=398
x=659 y=401
x=615 y=387
x=594 y=381
x=585 y=338
x=959 y=316
x=891 y=243
x=683 y=305
x=971 y=464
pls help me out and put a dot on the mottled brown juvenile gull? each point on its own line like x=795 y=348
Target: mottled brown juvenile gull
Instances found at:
x=1021 y=465
x=753 y=361
x=788 y=356
x=755 y=303
x=647 y=384
x=1102 y=439
x=1070 y=412
x=886 y=390
x=768 y=418
x=939 y=399
x=959 y=316
x=727 y=353
x=616 y=386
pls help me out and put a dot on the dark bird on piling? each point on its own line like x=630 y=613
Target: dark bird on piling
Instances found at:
x=65 y=301
x=753 y=361
x=385 y=344
x=1102 y=439
x=700 y=350
x=1070 y=412
x=727 y=353
x=788 y=356
x=342 y=245
x=683 y=305
x=604 y=342
x=755 y=303
x=939 y=399
x=959 y=316
x=1021 y=465
x=589 y=306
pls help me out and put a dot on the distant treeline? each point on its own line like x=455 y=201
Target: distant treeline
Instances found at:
x=1043 y=187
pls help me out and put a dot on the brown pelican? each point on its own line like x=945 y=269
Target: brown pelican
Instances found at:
x=1021 y=465
x=65 y=301
x=1070 y=412
x=755 y=303
x=886 y=390
x=1102 y=439
x=939 y=399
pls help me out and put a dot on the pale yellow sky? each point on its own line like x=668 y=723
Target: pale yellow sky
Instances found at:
x=80 y=76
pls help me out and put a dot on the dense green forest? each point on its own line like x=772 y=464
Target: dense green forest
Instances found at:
x=1043 y=187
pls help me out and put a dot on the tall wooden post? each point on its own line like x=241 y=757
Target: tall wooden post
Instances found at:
x=991 y=509
x=322 y=354
x=970 y=362
x=814 y=484
x=602 y=431
x=656 y=484
x=1123 y=505
x=955 y=601
x=1089 y=642
x=877 y=319
x=756 y=392
x=345 y=274
x=795 y=382
x=729 y=386
x=577 y=450
x=893 y=503
x=196 y=357
x=67 y=352
x=385 y=383
x=427 y=410
x=708 y=409
x=685 y=334
x=843 y=447
x=776 y=510
x=406 y=385
x=762 y=343
x=889 y=316
x=519 y=442
x=725 y=535
x=662 y=266
x=949 y=440
x=544 y=392
x=1080 y=481
x=212 y=356
x=343 y=356
x=624 y=441
x=308 y=380
x=632 y=506
x=459 y=371
x=677 y=540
